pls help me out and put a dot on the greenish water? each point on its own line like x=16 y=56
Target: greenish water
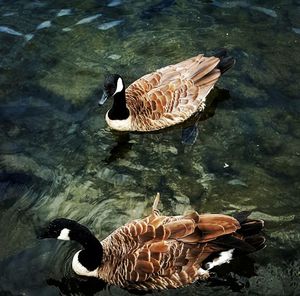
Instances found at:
x=59 y=159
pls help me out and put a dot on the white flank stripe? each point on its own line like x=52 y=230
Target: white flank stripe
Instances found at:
x=224 y=257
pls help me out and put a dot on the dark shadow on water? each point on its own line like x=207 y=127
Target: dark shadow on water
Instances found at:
x=120 y=149
x=76 y=286
x=16 y=184
x=155 y=9
x=235 y=276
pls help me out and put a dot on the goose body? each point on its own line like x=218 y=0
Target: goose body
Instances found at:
x=165 y=97
x=160 y=252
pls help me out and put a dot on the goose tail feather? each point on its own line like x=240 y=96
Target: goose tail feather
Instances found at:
x=226 y=61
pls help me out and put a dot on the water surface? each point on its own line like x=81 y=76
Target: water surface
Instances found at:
x=59 y=159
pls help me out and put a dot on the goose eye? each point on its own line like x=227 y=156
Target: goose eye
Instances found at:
x=109 y=88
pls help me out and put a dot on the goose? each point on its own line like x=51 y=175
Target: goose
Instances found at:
x=160 y=252
x=166 y=97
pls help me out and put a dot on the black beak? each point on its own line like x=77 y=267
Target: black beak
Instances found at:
x=103 y=98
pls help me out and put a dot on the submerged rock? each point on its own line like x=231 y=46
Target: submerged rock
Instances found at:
x=114 y=56
x=44 y=25
x=22 y=163
x=114 y=3
x=277 y=279
x=89 y=19
x=10 y=31
x=161 y=148
x=115 y=178
x=237 y=182
x=266 y=11
x=268 y=217
x=110 y=25
x=287 y=165
x=289 y=238
x=64 y=12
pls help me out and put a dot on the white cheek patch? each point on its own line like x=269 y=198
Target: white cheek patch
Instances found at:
x=80 y=269
x=224 y=257
x=120 y=86
x=64 y=234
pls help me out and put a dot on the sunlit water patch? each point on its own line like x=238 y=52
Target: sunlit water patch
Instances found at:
x=59 y=159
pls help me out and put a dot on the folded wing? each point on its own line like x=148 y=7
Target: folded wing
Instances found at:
x=173 y=93
x=171 y=249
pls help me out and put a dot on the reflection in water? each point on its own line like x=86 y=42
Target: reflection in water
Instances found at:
x=121 y=148
x=235 y=276
x=190 y=133
x=76 y=286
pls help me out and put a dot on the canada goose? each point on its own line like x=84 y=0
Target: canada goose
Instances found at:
x=165 y=97
x=160 y=252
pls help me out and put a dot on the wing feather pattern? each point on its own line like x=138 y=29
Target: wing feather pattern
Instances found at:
x=171 y=94
x=160 y=252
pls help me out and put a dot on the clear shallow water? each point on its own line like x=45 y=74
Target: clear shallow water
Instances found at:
x=59 y=159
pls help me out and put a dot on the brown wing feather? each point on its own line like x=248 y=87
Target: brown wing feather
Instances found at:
x=175 y=247
x=171 y=94
x=161 y=252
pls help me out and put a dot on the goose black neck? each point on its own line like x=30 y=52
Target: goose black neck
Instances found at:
x=91 y=256
x=119 y=110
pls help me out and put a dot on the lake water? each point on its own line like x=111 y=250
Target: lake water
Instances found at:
x=59 y=159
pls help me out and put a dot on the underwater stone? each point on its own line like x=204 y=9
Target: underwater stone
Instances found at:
x=114 y=56
x=22 y=163
x=113 y=177
x=8 y=14
x=182 y=205
x=72 y=129
x=161 y=148
x=84 y=191
x=67 y=29
x=64 y=12
x=10 y=31
x=290 y=237
x=138 y=167
x=114 y=3
x=287 y=165
x=237 y=182
x=230 y=4
x=272 y=143
x=109 y=25
x=296 y=30
x=89 y=19
x=278 y=280
x=266 y=11
x=267 y=217
x=293 y=16
x=44 y=25
x=10 y=148
x=28 y=37
x=206 y=180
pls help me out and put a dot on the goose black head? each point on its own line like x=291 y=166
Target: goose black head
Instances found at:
x=59 y=229
x=66 y=229
x=86 y=261
x=113 y=84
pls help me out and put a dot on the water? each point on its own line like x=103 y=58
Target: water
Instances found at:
x=59 y=159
